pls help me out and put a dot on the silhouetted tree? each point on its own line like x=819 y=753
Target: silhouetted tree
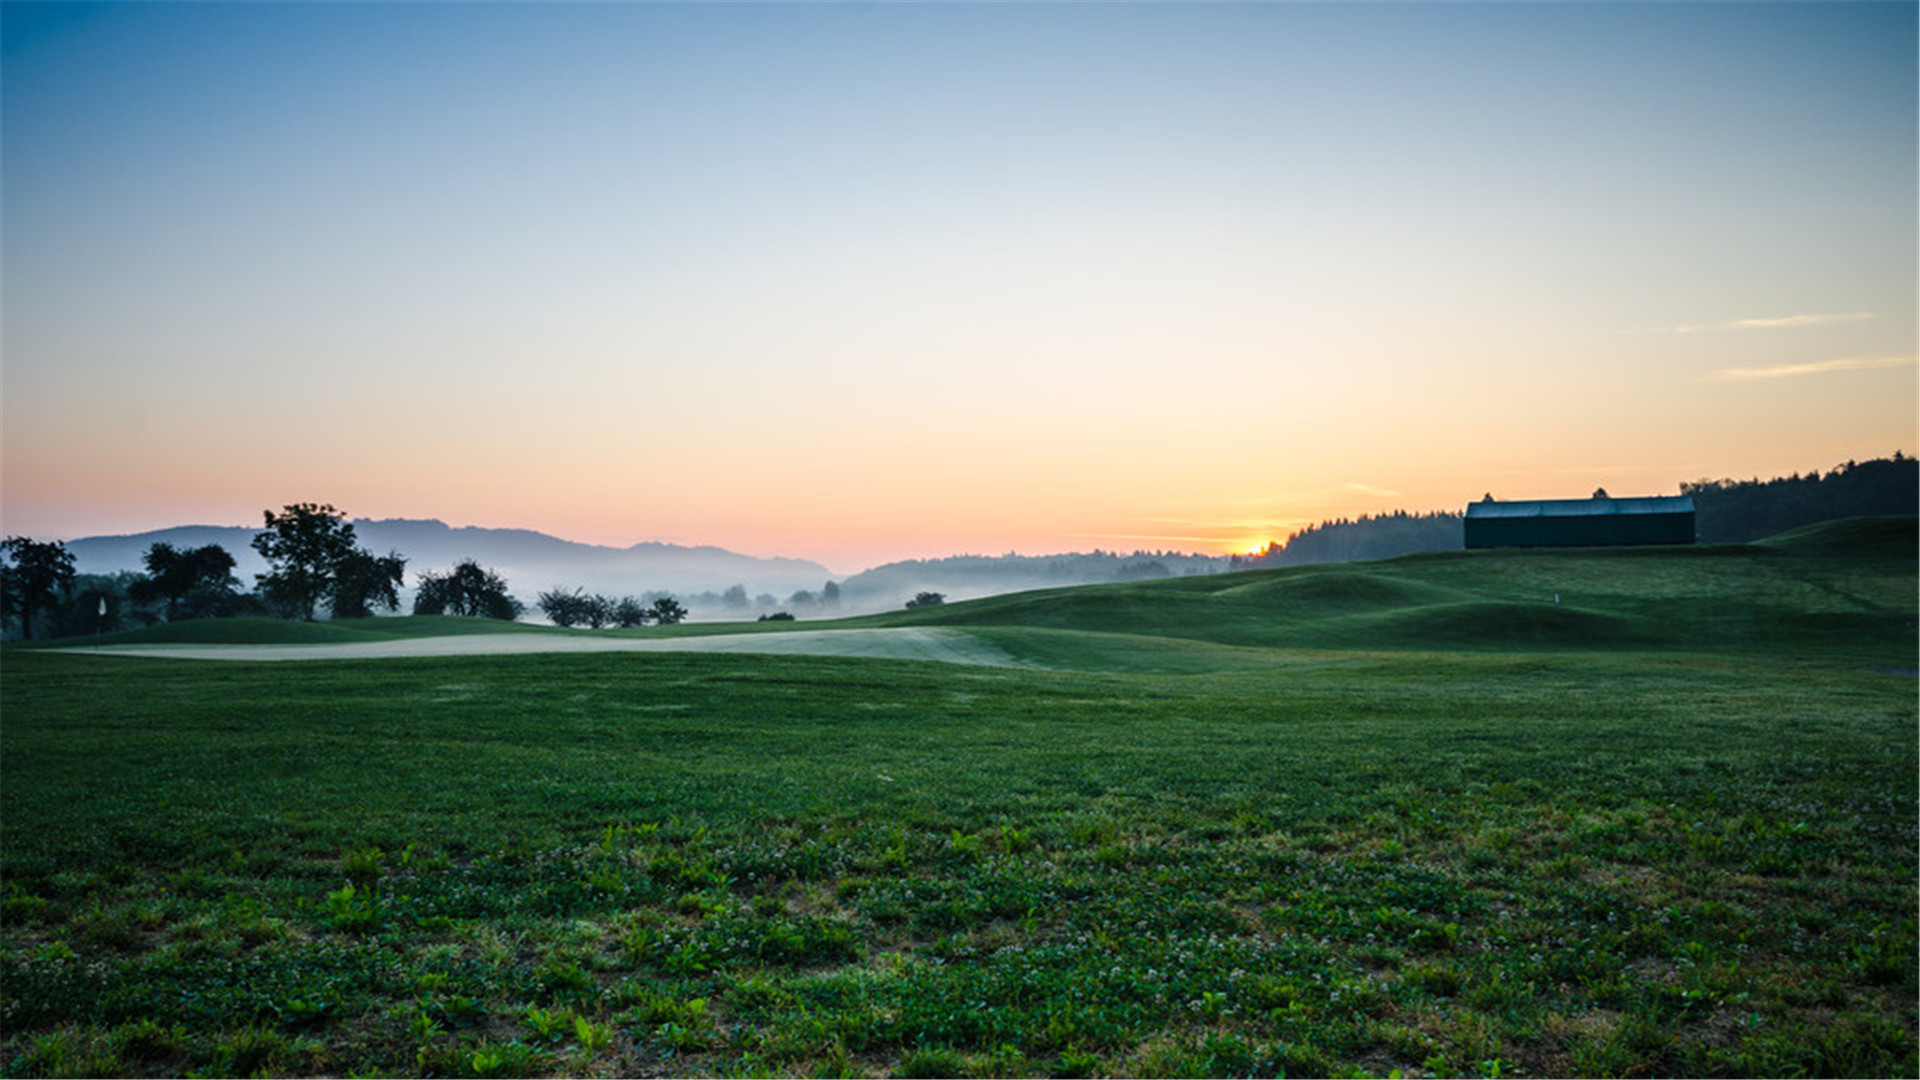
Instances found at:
x=305 y=544
x=735 y=598
x=778 y=616
x=36 y=575
x=577 y=608
x=468 y=590
x=1735 y=511
x=364 y=581
x=927 y=599
x=667 y=611
x=195 y=582
x=630 y=612
x=830 y=594
x=562 y=608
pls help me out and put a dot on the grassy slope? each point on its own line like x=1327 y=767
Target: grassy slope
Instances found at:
x=1190 y=854
x=1844 y=587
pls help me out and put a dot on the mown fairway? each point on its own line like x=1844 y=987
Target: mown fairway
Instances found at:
x=1348 y=820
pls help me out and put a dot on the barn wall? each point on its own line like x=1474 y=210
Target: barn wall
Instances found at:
x=1596 y=530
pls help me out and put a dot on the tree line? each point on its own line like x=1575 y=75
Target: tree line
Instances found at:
x=314 y=561
x=1736 y=511
x=1725 y=512
x=1370 y=536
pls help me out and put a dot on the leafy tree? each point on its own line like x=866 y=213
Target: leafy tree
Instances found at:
x=577 y=608
x=467 y=589
x=735 y=598
x=927 y=599
x=38 y=573
x=598 y=610
x=305 y=544
x=830 y=594
x=667 y=611
x=630 y=612
x=562 y=608
x=195 y=582
x=364 y=581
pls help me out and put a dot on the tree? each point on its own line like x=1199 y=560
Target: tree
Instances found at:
x=830 y=594
x=630 y=612
x=39 y=572
x=305 y=544
x=735 y=598
x=469 y=590
x=927 y=599
x=194 y=583
x=667 y=611
x=364 y=581
x=562 y=608
x=577 y=608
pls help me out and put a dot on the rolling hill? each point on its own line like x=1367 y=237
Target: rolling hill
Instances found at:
x=1837 y=586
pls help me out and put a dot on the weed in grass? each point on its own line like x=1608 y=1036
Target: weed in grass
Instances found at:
x=363 y=867
x=66 y=1052
x=251 y=1051
x=20 y=906
x=592 y=1037
x=550 y=1025
x=932 y=1062
x=148 y=1042
x=490 y=1060
x=352 y=909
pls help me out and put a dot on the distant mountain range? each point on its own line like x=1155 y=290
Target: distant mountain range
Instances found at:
x=534 y=562
x=531 y=562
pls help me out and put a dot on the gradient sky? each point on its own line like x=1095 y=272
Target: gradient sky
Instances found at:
x=859 y=282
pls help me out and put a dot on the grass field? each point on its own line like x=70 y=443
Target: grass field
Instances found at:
x=1504 y=813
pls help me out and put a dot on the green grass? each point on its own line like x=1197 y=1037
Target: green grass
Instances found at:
x=1222 y=834
x=1834 y=588
x=254 y=631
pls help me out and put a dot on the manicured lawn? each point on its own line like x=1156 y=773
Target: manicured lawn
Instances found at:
x=1192 y=846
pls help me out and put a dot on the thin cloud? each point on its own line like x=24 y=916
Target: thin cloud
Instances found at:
x=1798 y=320
x=1369 y=489
x=1788 y=322
x=1817 y=367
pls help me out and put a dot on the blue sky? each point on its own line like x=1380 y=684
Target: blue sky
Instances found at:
x=865 y=281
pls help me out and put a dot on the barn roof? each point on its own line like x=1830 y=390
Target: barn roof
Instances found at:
x=1597 y=507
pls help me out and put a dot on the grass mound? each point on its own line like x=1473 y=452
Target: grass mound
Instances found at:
x=1331 y=589
x=1869 y=537
x=1504 y=625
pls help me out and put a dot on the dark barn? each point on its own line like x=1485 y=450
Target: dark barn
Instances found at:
x=1597 y=522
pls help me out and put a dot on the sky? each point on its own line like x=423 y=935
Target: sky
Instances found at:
x=865 y=281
